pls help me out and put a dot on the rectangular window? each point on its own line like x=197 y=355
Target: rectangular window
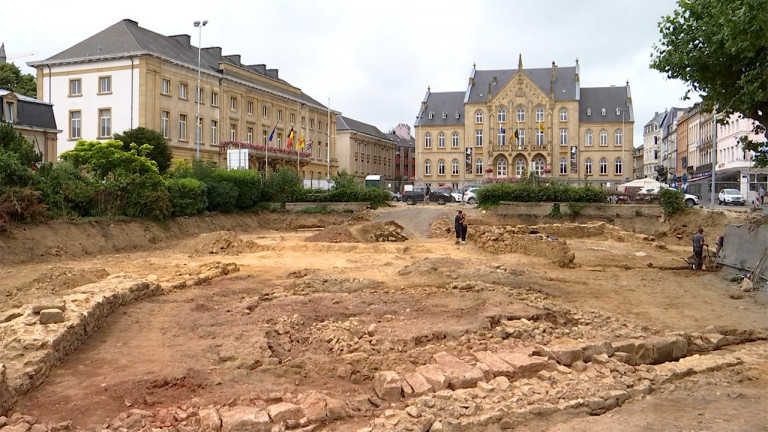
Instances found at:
x=105 y=123
x=182 y=127
x=214 y=98
x=200 y=93
x=521 y=137
x=265 y=111
x=539 y=137
x=249 y=135
x=199 y=130
x=214 y=131
x=75 y=124
x=183 y=91
x=250 y=107
x=563 y=136
x=76 y=87
x=478 y=138
x=233 y=103
x=233 y=132
x=279 y=140
x=9 y=110
x=105 y=84
x=165 y=87
x=303 y=120
x=279 y=115
x=311 y=123
x=165 y=123
x=293 y=118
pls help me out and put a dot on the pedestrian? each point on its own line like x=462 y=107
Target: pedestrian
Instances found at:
x=463 y=228
x=761 y=194
x=458 y=226
x=698 y=247
x=720 y=241
x=427 y=192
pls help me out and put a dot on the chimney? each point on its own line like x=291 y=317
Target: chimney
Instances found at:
x=183 y=39
x=234 y=58
x=215 y=51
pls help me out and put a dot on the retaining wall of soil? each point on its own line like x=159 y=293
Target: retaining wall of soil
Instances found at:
x=335 y=206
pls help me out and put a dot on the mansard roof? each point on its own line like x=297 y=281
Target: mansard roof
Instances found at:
x=595 y=99
x=438 y=103
x=565 y=85
x=345 y=123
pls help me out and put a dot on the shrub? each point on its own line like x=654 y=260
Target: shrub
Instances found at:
x=555 y=212
x=344 y=180
x=188 y=196
x=533 y=190
x=20 y=204
x=17 y=158
x=671 y=201
x=221 y=194
x=146 y=196
x=65 y=190
x=249 y=184
x=575 y=208
x=283 y=185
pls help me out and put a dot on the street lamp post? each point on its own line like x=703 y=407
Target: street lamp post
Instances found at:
x=198 y=126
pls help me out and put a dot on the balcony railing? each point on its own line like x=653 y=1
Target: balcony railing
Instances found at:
x=507 y=148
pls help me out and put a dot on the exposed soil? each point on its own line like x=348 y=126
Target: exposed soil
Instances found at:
x=324 y=302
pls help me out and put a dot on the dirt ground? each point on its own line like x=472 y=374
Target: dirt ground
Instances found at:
x=324 y=302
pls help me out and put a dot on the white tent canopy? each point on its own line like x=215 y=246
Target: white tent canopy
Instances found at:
x=643 y=183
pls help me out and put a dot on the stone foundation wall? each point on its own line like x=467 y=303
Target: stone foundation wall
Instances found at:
x=337 y=206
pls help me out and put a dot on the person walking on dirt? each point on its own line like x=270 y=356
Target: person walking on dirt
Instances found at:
x=463 y=228
x=427 y=192
x=698 y=247
x=458 y=226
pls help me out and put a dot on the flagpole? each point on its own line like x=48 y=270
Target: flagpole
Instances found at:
x=298 y=161
x=266 y=158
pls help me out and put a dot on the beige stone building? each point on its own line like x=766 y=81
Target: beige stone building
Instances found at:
x=512 y=122
x=127 y=76
x=33 y=119
x=363 y=150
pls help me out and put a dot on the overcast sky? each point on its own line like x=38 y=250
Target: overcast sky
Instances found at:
x=375 y=59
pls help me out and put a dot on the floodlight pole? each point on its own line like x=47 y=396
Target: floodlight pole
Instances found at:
x=198 y=126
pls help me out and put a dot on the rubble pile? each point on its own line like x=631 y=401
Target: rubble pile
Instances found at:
x=220 y=243
x=501 y=240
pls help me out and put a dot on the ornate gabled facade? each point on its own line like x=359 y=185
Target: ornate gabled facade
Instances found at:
x=516 y=121
x=127 y=76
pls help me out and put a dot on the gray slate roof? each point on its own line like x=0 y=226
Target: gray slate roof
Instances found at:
x=346 y=123
x=400 y=141
x=566 y=87
x=609 y=98
x=126 y=38
x=657 y=118
x=437 y=103
x=32 y=112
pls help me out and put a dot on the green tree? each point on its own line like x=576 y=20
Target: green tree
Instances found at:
x=12 y=79
x=17 y=158
x=161 y=151
x=719 y=50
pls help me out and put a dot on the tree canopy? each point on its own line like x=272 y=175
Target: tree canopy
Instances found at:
x=720 y=50
x=12 y=79
x=160 y=153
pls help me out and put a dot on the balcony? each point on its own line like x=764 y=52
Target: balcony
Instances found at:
x=519 y=148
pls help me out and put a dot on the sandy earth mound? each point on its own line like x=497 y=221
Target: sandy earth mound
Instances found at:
x=370 y=232
x=220 y=242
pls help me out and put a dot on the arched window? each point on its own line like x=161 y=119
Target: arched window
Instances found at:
x=440 y=167
x=588 y=138
x=603 y=138
x=520 y=167
x=603 y=166
x=478 y=116
x=455 y=140
x=563 y=165
x=617 y=166
x=431 y=115
x=521 y=114
x=501 y=168
x=618 y=137
x=445 y=114
x=427 y=167
x=538 y=166
x=428 y=140
x=441 y=140
x=588 y=166
x=540 y=114
x=501 y=116
x=563 y=115
x=478 y=166
x=455 y=167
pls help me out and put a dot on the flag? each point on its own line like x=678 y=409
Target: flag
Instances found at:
x=516 y=135
x=502 y=131
x=308 y=146
x=273 y=133
x=289 y=142
x=301 y=141
x=541 y=127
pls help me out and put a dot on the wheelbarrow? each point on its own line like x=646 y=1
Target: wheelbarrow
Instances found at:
x=708 y=260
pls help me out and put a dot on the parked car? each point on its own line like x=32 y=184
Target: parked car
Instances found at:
x=452 y=192
x=395 y=196
x=730 y=196
x=469 y=197
x=690 y=200
x=416 y=195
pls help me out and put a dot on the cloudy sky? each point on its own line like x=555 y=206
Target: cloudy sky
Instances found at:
x=374 y=60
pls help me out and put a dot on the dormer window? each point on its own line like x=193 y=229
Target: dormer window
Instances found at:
x=618 y=111
x=602 y=111
x=457 y=114
x=589 y=111
x=445 y=114
x=431 y=115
